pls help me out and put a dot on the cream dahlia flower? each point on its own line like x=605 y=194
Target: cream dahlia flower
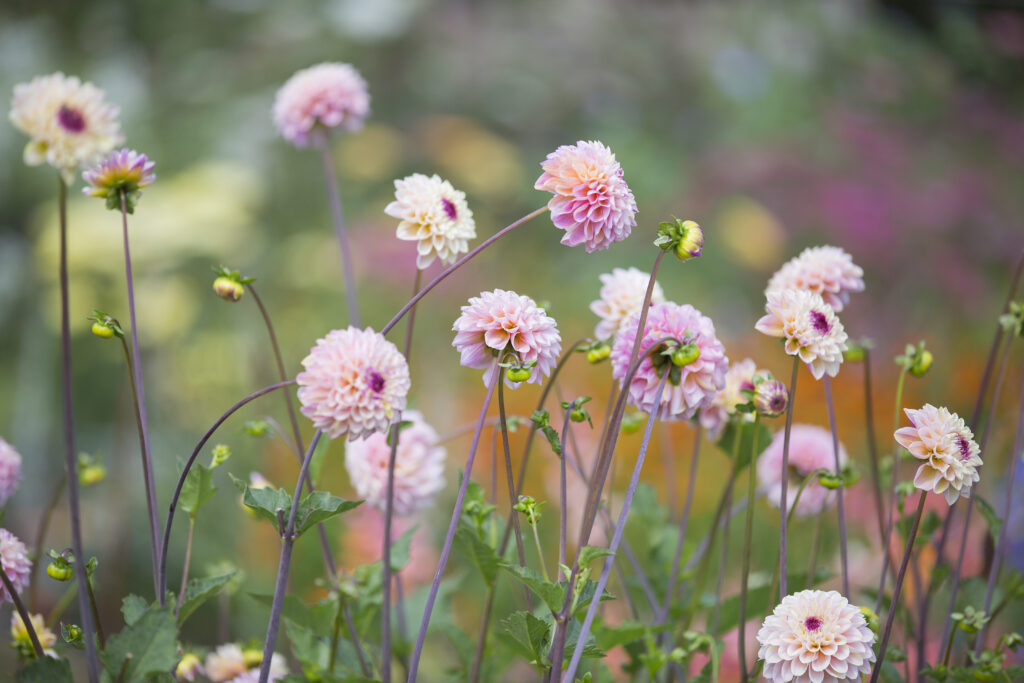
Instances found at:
x=622 y=296
x=946 y=445
x=434 y=215
x=828 y=271
x=809 y=327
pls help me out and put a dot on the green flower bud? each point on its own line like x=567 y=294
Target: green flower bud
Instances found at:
x=102 y=331
x=632 y=422
x=228 y=289
x=871 y=618
x=684 y=355
x=598 y=352
x=922 y=362
x=830 y=481
x=519 y=373
x=60 y=571
x=685 y=239
x=220 y=454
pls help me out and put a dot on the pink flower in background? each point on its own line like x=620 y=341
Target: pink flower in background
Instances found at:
x=592 y=202
x=622 y=295
x=698 y=382
x=362 y=543
x=810 y=448
x=419 y=466
x=330 y=95
x=499 y=322
x=10 y=471
x=125 y=171
x=738 y=377
x=15 y=562
x=809 y=327
x=946 y=445
x=434 y=215
x=353 y=383
x=828 y=271
x=815 y=637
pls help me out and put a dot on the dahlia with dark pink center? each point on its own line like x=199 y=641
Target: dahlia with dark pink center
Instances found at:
x=828 y=271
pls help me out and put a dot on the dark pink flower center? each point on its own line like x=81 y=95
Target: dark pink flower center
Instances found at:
x=777 y=403
x=819 y=322
x=376 y=382
x=812 y=623
x=965 y=446
x=70 y=119
x=449 y=208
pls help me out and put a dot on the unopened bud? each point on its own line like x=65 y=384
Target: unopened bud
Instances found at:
x=228 y=289
x=871 y=618
x=771 y=398
x=631 y=423
x=520 y=373
x=188 y=668
x=922 y=362
x=685 y=239
x=598 y=352
x=252 y=658
x=830 y=481
x=684 y=355
x=102 y=331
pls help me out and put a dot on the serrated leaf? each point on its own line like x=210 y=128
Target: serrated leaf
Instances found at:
x=991 y=518
x=744 y=431
x=200 y=590
x=553 y=594
x=133 y=607
x=148 y=646
x=481 y=553
x=265 y=502
x=45 y=670
x=320 y=506
x=589 y=553
x=528 y=635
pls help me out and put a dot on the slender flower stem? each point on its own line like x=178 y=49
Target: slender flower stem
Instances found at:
x=139 y=393
x=335 y=635
x=188 y=558
x=95 y=611
x=389 y=507
x=44 y=526
x=184 y=474
x=673 y=576
x=450 y=535
x=783 y=517
x=280 y=587
x=839 y=492
x=25 y=617
x=620 y=527
x=338 y=218
x=71 y=470
x=481 y=642
x=891 y=616
x=540 y=553
x=722 y=560
x=748 y=536
x=789 y=520
x=869 y=431
x=949 y=648
x=668 y=462
x=512 y=497
x=895 y=476
x=563 y=496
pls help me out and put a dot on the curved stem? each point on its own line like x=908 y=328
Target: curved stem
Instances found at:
x=783 y=517
x=280 y=586
x=188 y=558
x=26 y=618
x=44 y=526
x=747 y=543
x=338 y=218
x=677 y=558
x=839 y=491
x=95 y=610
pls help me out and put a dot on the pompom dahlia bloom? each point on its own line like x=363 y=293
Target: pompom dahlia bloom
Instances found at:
x=125 y=171
x=499 y=323
x=10 y=471
x=434 y=215
x=697 y=383
x=592 y=202
x=68 y=123
x=622 y=295
x=22 y=641
x=809 y=327
x=330 y=95
x=828 y=271
x=815 y=637
x=353 y=383
x=17 y=566
x=738 y=377
x=946 y=445
x=419 y=466
x=810 y=448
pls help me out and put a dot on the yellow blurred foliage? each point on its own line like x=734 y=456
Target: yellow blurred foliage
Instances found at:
x=751 y=233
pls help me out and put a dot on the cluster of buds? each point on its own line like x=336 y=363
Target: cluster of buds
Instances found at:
x=517 y=370
x=530 y=508
x=219 y=455
x=577 y=413
x=597 y=352
x=685 y=239
x=90 y=470
x=1013 y=322
x=105 y=326
x=916 y=359
x=229 y=284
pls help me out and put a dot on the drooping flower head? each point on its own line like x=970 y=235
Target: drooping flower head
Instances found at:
x=353 y=383
x=810 y=448
x=815 y=637
x=419 y=466
x=10 y=471
x=329 y=95
x=434 y=215
x=739 y=377
x=828 y=271
x=68 y=123
x=21 y=641
x=622 y=295
x=947 y=448
x=809 y=327
x=231 y=664
x=591 y=201
x=124 y=171
x=15 y=562
x=498 y=324
x=692 y=385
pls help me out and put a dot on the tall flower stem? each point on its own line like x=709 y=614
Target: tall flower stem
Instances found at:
x=789 y=519
x=563 y=496
x=44 y=526
x=783 y=517
x=25 y=617
x=71 y=469
x=748 y=536
x=869 y=431
x=93 y=606
x=512 y=497
x=280 y=587
x=890 y=618
x=895 y=476
x=839 y=492
x=722 y=562
x=139 y=393
x=338 y=218
x=683 y=523
x=453 y=526
x=620 y=527
x=188 y=559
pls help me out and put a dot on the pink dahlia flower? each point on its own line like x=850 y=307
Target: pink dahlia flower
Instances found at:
x=496 y=324
x=696 y=384
x=810 y=448
x=353 y=383
x=419 y=466
x=738 y=377
x=125 y=171
x=328 y=95
x=17 y=566
x=622 y=295
x=10 y=471
x=592 y=201
x=828 y=271
x=946 y=445
x=815 y=637
x=809 y=326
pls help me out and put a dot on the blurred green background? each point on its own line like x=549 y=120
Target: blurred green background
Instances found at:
x=893 y=130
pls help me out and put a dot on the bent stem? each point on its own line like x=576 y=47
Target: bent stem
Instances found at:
x=748 y=536
x=188 y=558
x=25 y=617
x=839 y=492
x=783 y=517
x=280 y=587
x=95 y=610
x=338 y=218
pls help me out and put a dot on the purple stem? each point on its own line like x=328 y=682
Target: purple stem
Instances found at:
x=338 y=218
x=563 y=511
x=783 y=517
x=839 y=492
x=389 y=509
x=869 y=430
x=25 y=617
x=677 y=559
x=895 y=477
x=748 y=543
x=513 y=497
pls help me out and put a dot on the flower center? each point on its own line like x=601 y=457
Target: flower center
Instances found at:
x=965 y=447
x=812 y=623
x=820 y=323
x=777 y=404
x=449 y=208
x=70 y=119
x=376 y=382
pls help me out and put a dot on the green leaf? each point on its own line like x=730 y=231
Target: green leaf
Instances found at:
x=265 y=502
x=316 y=463
x=133 y=607
x=607 y=637
x=528 y=635
x=401 y=549
x=553 y=594
x=320 y=506
x=744 y=431
x=589 y=553
x=197 y=489
x=480 y=552
x=45 y=670
x=148 y=646
x=994 y=523
x=200 y=590
x=318 y=618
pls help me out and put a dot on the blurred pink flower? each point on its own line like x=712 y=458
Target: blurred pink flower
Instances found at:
x=15 y=562
x=738 y=377
x=828 y=271
x=362 y=543
x=499 y=322
x=622 y=294
x=699 y=381
x=353 y=383
x=592 y=201
x=330 y=95
x=809 y=327
x=810 y=448
x=434 y=215
x=946 y=445
x=125 y=171
x=10 y=471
